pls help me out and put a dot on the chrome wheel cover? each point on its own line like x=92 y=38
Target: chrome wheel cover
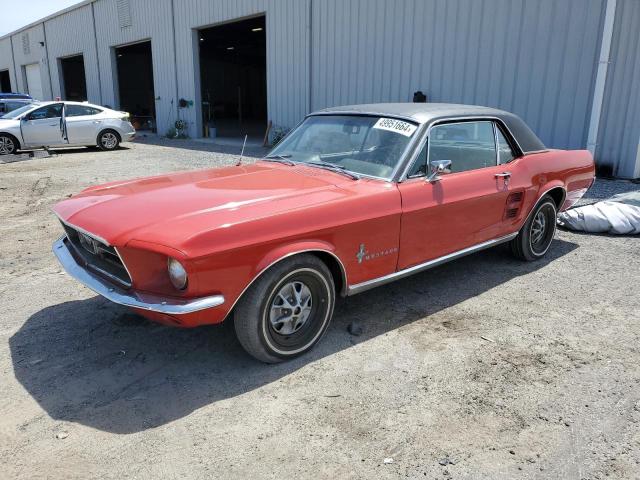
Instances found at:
x=290 y=308
x=109 y=140
x=538 y=227
x=542 y=230
x=6 y=146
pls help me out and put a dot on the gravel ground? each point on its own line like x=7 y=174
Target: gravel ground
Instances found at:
x=482 y=368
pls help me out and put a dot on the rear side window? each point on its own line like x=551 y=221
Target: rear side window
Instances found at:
x=80 y=110
x=505 y=153
x=469 y=145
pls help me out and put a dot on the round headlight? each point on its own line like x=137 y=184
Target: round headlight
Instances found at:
x=177 y=273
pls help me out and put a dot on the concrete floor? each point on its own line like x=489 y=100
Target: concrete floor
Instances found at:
x=485 y=368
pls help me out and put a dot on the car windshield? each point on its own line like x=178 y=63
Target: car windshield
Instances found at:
x=365 y=145
x=19 y=111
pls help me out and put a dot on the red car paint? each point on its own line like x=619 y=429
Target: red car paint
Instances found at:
x=228 y=225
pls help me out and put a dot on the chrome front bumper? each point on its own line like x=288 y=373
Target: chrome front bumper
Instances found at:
x=130 y=298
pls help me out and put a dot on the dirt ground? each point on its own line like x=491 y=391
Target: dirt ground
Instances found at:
x=485 y=368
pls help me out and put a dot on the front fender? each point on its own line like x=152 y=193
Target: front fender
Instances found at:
x=283 y=251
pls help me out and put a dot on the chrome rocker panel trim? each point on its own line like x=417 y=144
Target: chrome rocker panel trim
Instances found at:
x=392 y=277
x=131 y=299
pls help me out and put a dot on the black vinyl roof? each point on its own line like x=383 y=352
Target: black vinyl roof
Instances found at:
x=429 y=113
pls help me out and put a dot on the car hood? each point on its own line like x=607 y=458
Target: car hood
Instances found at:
x=171 y=210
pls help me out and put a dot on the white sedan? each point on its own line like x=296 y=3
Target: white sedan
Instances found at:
x=63 y=124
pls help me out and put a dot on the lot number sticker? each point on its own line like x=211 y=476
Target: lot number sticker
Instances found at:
x=397 y=126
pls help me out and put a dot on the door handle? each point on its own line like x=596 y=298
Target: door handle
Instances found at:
x=503 y=175
x=53 y=124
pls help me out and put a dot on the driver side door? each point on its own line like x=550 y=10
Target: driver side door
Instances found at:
x=44 y=127
x=459 y=209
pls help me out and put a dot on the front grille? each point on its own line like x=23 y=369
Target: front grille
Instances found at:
x=98 y=257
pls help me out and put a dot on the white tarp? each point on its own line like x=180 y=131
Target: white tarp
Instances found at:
x=620 y=215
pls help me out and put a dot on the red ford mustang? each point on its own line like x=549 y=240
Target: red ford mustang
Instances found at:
x=351 y=199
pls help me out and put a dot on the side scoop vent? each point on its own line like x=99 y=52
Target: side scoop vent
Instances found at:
x=513 y=206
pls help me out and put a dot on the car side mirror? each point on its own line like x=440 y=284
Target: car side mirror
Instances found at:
x=439 y=167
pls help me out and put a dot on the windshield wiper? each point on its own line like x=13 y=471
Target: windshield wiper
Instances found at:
x=334 y=168
x=280 y=159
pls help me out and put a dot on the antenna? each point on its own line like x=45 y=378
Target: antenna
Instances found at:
x=242 y=151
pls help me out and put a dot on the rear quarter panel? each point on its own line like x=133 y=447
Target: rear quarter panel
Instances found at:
x=571 y=170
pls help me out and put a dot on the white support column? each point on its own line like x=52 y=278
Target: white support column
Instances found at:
x=601 y=76
x=636 y=169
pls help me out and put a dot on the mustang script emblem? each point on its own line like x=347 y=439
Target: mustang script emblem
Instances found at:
x=361 y=253
x=364 y=255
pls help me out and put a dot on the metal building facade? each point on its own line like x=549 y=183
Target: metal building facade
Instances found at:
x=79 y=39
x=537 y=58
x=618 y=147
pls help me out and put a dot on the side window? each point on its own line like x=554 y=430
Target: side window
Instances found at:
x=469 y=145
x=505 y=153
x=2 y=108
x=80 y=110
x=49 y=111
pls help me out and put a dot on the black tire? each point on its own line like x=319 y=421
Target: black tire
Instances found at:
x=108 y=140
x=536 y=235
x=8 y=144
x=267 y=328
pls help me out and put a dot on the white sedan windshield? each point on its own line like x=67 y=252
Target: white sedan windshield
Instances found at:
x=19 y=111
x=366 y=145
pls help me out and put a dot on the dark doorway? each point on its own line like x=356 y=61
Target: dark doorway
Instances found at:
x=74 y=82
x=135 y=84
x=233 y=78
x=5 y=81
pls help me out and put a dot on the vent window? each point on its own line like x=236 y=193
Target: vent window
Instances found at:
x=26 y=46
x=124 y=13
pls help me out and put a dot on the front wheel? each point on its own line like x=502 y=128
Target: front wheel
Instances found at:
x=285 y=312
x=8 y=144
x=108 y=140
x=535 y=237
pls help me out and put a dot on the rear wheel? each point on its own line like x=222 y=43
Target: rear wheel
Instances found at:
x=286 y=311
x=8 y=144
x=108 y=140
x=535 y=237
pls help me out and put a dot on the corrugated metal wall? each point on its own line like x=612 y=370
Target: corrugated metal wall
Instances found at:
x=29 y=47
x=150 y=20
x=619 y=136
x=79 y=39
x=536 y=59
x=6 y=62
x=287 y=52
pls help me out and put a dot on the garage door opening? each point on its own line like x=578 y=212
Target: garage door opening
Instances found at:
x=233 y=79
x=135 y=84
x=5 y=81
x=74 y=83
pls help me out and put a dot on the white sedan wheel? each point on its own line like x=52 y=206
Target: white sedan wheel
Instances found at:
x=7 y=145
